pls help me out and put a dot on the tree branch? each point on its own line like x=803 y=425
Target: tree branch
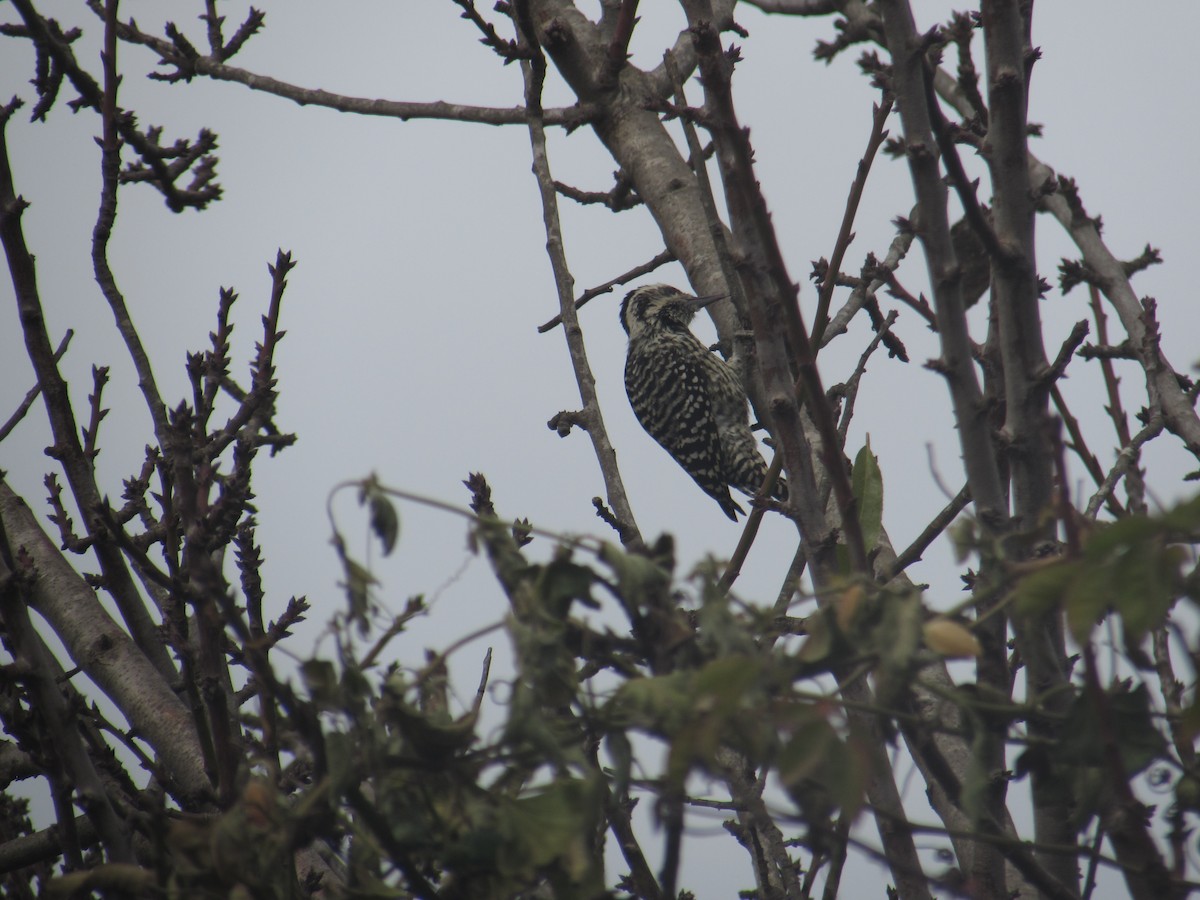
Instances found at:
x=67 y=448
x=591 y=293
x=569 y=117
x=845 y=235
x=32 y=394
x=535 y=72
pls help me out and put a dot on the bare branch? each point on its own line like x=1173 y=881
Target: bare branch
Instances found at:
x=875 y=275
x=32 y=394
x=772 y=301
x=1125 y=460
x=570 y=118
x=591 y=293
x=933 y=229
x=845 y=235
x=796 y=7
x=65 y=747
x=619 y=199
x=105 y=652
x=1058 y=368
x=617 y=53
x=535 y=71
x=506 y=50
x=849 y=390
x=67 y=449
x=939 y=523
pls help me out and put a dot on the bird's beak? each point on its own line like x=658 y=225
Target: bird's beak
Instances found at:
x=698 y=303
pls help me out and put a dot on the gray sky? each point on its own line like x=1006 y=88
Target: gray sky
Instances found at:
x=412 y=348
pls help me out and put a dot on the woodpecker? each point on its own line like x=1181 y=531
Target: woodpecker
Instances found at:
x=689 y=399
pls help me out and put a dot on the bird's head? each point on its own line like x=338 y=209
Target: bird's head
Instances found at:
x=659 y=306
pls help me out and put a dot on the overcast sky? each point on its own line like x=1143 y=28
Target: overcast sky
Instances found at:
x=412 y=348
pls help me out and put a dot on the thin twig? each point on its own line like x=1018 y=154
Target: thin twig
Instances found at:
x=568 y=117
x=1125 y=459
x=1076 y=434
x=850 y=392
x=1059 y=367
x=867 y=289
x=963 y=185
x=620 y=198
x=91 y=434
x=750 y=529
x=506 y=50
x=32 y=394
x=617 y=52
x=1172 y=692
x=591 y=293
x=929 y=534
x=1089 y=882
x=845 y=235
x=1134 y=487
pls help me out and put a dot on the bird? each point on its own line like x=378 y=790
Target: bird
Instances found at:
x=688 y=398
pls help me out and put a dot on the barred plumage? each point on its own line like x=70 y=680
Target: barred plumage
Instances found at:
x=688 y=398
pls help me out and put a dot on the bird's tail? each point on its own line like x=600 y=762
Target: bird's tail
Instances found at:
x=748 y=470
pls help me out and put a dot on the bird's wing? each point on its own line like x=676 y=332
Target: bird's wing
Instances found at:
x=670 y=397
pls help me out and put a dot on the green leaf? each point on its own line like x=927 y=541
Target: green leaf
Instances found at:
x=657 y=704
x=978 y=778
x=1116 y=536
x=866 y=481
x=819 y=770
x=639 y=579
x=562 y=582
x=358 y=591
x=1043 y=591
x=721 y=685
x=1128 y=566
x=341 y=756
x=1139 y=742
x=620 y=751
x=722 y=711
x=1088 y=785
x=1187 y=793
x=898 y=638
x=821 y=638
x=433 y=737
x=810 y=748
x=385 y=522
x=550 y=824
x=965 y=538
x=1145 y=580
x=1089 y=596
x=1185 y=517
x=320 y=678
